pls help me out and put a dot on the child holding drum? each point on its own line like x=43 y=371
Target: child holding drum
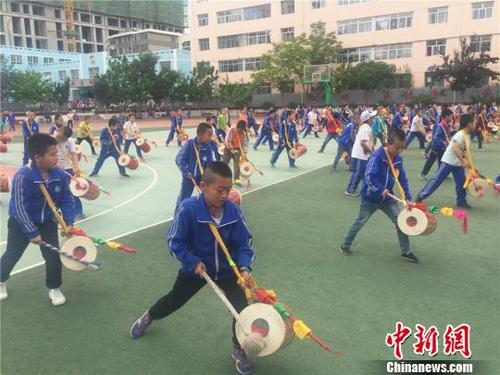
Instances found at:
x=378 y=178
x=288 y=139
x=192 y=242
x=132 y=132
x=30 y=217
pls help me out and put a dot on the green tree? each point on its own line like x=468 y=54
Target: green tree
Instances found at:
x=466 y=68
x=165 y=85
x=364 y=76
x=235 y=94
x=29 y=86
x=102 y=91
x=6 y=76
x=202 y=82
x=60 y=93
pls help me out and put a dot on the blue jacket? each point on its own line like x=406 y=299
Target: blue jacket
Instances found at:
x=27 y=204
x=250 y=119
x=186 y=157
x=12 y=118
x=28 y=131
x=348 y=135
x=54 y=127
x=176 y=121
x=396 y=121
x=291 y=132
x=105 y=138
x=378 y=177
x=439 y=141
x=190 y=239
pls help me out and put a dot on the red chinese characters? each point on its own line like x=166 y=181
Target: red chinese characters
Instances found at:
x=457 y=339
x=396 y=339
x=427 y=340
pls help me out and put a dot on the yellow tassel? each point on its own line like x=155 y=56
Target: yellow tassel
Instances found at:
x=447 y=211
x=271 y=293
x=301 y=329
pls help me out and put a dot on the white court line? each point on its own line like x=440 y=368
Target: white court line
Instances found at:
x=151 y=185
x=171 y=218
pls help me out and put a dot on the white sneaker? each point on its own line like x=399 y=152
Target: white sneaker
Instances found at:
x=3 y=291
x=56 y=297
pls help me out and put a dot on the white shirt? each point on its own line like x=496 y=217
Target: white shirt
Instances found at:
x=64 y=150
x=364 y=134
x=312 y=117
x=449 y=156
x=130 y=128
x=416 y=124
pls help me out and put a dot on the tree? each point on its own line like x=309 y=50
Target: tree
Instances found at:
x=202 y=81
x=6 y=76
x=364 y=76
x=102 y=92
x=29 y=86
x=467 y=68
x=236 y=94
x=165 y=85
x=286 y=61
x=60 y=93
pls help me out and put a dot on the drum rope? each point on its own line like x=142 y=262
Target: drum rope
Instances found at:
x=395 y=174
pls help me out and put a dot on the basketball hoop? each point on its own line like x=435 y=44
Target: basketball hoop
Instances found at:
x=314 y=74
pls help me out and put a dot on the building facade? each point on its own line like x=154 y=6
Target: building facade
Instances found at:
x=149 y=40
x=42 y=24
x=232 y=36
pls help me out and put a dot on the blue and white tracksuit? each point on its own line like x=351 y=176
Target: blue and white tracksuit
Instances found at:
x=28 y=131
x=346 y=141
x=176 y=123
x=266 y=133
x=251 y=122
x=290 y=130
x=108 y=150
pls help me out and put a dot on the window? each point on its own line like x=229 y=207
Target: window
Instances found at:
x=16 y=59
x=79 y=47
x=112 y=21
x=93 y=72
x=112 y=32
x=27 y=26
x=316 y=4
x=252 y=63
x=2 y=58
x=63 y=75
x=287 y=6
x=355 y=55
x=392 y=51
x=57 y=13
x=40 y=29
x=98 y=35
x=26 y=9
x=481 y=43
x=59 y=32
x=227 y=66
x=204 y=44
x=287 y=88
x=60 y=45
x=47 y=75
x=18 y=41
x=88 y=48
x=2 y=40
x=287 y=33
x=75 y=16
x=29 y=42
x=41 y=44
x=244 y=14
x=74 y=74
x=482 y=10
x=165 y=65
x=430 y=81
x=186 y=46
x=438 y=15
x=87 y=33
x=32 y=60
x=123 y=24
x=354 y=26
x=84 y=17
x=348 y=2
x=14 y=7
x=263 y=89
x=98 y=20
x=318 y=28
x=203 y=19
x=16 y=25
x=48 y=60
x=38 y=10
x=100 y=48
x=394 y=21
x=1 y=24
x=436 y=47
x=240 y=40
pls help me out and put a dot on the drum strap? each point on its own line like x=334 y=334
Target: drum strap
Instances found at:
x=243 y=155
x=52 y=206
x=197 y=152
x=445 y=133
x=471 y=174
x=113 y=140
x=395 y=174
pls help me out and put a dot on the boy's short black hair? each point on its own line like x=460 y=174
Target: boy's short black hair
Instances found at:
x=216 y=168
x=67 y=132
x=241 y=124
x=209 y=118
x=57 y=116
x=446 y=112
x=465 y=120
x=202 y=128
x=394 y=134
x=111 y=122
x=38 y=144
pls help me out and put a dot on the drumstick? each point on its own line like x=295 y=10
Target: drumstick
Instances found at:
x=386 y=192
x=92 y=266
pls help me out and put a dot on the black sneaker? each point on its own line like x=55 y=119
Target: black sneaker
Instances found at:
x=124 y=175
x=93 y=175
x=464 y=205
x=345 y=250
x=410 y=257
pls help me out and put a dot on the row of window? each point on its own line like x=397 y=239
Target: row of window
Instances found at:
x=240 y=65
x=244 y=14
x=246 y=39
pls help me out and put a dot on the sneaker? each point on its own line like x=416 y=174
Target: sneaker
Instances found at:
x=410 y=257
x=57 y=297
x=293 y=166
x=481 y=149
x=464 y=205
x=140 y=325
x=3 y=291
x=272 y=165
x=348 y=193
x=345 y=250
x=243 y=365
x=422 y=177
x=124 y=175
x=93 y=175
x=320 y=151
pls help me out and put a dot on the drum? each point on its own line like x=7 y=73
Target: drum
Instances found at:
x=3 y=147
x=128 y=161
x=276 y=138
x=493 y=128
x=143 y=145
x=83 y=188
x=96 y=142
x=477 y=187
x=182 y=136
x=298 y=151
x=221 y=148
x=246 y=169
x=415 y=222
x=235 y=197
x=4 y=184
x=264 y=322
x=79 y=247
x=428 y=136
x=6 y=138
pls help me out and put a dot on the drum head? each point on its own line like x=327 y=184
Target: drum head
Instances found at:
x=80 y=247
x=276 y=137
x=412 y=222
x=123 y=160
x=293 y=153
x=246 y=169
x=139 y=141
x=477 y=188
x=79 y=186
x=263 y=320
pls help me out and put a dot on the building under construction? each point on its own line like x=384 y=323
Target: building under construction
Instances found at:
x=48 y=24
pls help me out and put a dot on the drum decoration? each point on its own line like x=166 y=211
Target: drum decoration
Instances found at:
x=83 y=188
x=416 y=221
x=128 y=161
x=276 y=138
x=81 y=248
x=182 y=135
x=143 y=145
x=296 y=152
x=246 y=169
x=4 y=184
x=428 y=136
x=6 y=138
x=96 y=142
x=477 y=187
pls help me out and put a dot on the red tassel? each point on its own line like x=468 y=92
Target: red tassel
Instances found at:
x=127 y=249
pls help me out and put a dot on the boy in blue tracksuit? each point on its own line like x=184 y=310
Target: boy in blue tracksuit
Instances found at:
x=378 y=178
x=192 y=242
x=12 y=122
x=175 y=125
x=288 y=139
x=397 y=122
x=109 y=148
x=30 y=127
x=266 y=134
x=346 y=141
x=251 y=121
x=30 y=217
x=200 y=150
